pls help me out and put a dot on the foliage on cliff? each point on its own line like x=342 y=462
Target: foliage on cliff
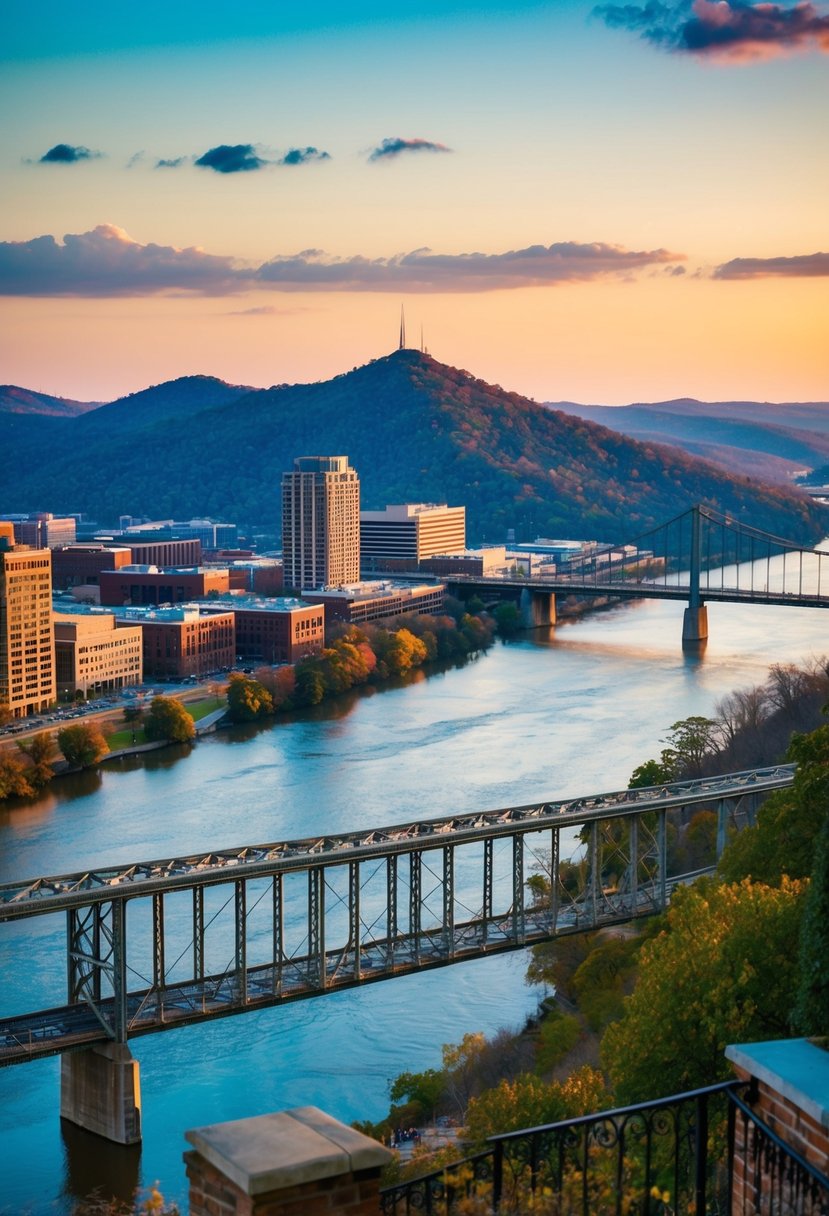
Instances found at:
x=415 y=430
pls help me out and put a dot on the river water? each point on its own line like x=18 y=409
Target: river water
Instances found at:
x=564 y=712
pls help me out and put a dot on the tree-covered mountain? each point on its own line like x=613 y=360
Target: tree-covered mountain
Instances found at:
x=416 y=430
x=759 y=439
x=14 y=400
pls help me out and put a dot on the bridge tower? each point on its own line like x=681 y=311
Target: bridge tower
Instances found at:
x=695 y=619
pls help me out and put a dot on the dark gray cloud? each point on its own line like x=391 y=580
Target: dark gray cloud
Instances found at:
x=232 y=158
x=803 y=266
x=68 y=154
x=423 y=270
x=173 y=162
x=303 y=156
x=106 y=262
x=394 y=146
x=726 y=29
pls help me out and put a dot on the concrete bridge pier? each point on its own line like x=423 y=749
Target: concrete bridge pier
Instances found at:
x=695 y=627
x=537 y=608
x=100 y=1090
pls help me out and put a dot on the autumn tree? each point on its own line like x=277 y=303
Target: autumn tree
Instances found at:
x=247 y=699
x=280 y=682
x=14 y=777
x=168 y=720
x=528 y=1101
x=82 y=745
x=40 y=750
x=721 y=971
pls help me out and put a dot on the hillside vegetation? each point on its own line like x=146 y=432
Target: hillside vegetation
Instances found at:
x=758 y=439
x=415 y=430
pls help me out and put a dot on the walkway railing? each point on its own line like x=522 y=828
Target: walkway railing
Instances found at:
x=653 y=1159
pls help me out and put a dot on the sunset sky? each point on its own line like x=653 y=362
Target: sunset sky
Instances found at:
x=598 y=203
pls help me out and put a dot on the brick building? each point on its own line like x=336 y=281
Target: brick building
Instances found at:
x=158 y=551
x=81 y=565
x=145 y=585
x=183 y=640
x=274 y=630
x=93 y=655
x=377 y=600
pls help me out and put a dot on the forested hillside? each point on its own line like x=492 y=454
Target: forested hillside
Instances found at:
x=415 y=430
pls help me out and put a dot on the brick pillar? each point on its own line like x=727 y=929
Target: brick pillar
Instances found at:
x=790 y=1095
x=297 y=1162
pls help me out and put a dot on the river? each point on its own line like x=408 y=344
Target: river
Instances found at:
x=563 y=712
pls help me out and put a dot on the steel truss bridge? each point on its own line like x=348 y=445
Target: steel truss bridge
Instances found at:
x=159 y=944
x=699 y=556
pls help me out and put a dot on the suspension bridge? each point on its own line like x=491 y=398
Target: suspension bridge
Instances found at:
x=699 y=556
x=155 y=945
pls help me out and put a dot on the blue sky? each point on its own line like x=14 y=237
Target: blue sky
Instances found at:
x=216 y=189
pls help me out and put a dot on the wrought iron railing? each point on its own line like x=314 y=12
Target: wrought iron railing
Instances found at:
x=770 y=1177
x=653 y=1159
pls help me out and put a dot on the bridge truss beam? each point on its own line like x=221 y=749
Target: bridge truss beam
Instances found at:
x=207 y=940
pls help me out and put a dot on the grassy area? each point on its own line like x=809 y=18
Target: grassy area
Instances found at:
x=200 y=709
x=124 y=738
x=196 y=709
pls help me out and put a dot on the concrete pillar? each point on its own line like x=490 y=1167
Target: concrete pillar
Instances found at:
x=100 y=1090
x=537 y=608
x=695 y=626
x=290 y=1162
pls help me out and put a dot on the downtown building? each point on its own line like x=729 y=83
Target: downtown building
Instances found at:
x=321 y=523
x=27 y=645
x=92 y=655
x=398 y=538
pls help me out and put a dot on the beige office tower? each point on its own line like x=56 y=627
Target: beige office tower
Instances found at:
x=321 y=523
x=27 y=644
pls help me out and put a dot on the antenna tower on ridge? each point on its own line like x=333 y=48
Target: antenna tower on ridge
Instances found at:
x=402 y=345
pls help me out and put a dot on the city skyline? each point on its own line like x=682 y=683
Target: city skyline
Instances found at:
x=583 y=202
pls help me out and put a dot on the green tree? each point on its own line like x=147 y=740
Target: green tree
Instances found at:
x=652 y=772
x=40 y=749
x=422 y=1089
x=721 y=972
x=689 y=742
x=168 y=720
x=812 y=1006
x=557 y=1036
x=310 y=683
x=788 y=822
x=82 y=745
x=507 y=619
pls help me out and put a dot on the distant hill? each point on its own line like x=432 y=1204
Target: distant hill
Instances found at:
x=14 y=400
x=176 y=399
x=759 y=439
x=416 y=430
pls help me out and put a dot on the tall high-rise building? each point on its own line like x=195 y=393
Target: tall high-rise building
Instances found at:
x=27 y=643
x=321 y=523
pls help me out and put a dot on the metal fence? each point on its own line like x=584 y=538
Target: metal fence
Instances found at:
x=703 y=1153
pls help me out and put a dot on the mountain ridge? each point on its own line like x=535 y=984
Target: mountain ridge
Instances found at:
x=415 y=430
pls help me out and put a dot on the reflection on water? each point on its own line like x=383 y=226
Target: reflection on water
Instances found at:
x=563 y=713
